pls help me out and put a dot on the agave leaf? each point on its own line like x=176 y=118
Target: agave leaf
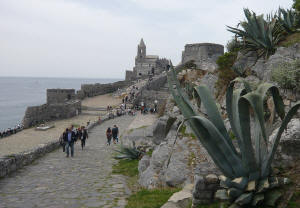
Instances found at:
x=248 y=152
x=262 y=89
x=286 y=120
x=217 y=139
x=213 y=113
x=232 y=98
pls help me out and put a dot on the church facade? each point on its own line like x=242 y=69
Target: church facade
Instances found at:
x=146 y=65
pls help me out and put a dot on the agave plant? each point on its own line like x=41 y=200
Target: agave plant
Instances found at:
x=287 y=19
x=258 y=34
x=246 y=169
x=127 y=152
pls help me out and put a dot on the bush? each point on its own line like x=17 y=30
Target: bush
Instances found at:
x=233 y=45
x=225 y=72
x=287 y=75
x=296 y=5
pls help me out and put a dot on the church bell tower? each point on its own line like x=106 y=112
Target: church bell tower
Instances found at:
x=141 y=54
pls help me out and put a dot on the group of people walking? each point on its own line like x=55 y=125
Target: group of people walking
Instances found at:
x=112 y=133
x=71 y=136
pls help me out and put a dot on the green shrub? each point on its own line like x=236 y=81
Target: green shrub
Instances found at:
x=287 y=75
x=296 y=5
x=225 y=72
x=233 y=45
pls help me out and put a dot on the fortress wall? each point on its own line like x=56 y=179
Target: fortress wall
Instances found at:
x=203 y=54
x=35 y=115
x=60 y=95
x=91 y=90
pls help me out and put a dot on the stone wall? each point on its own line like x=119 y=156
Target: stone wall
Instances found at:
x=129 y=75
x=91 y=90
x=204 y=55
x=60 y=95
x=35 y=115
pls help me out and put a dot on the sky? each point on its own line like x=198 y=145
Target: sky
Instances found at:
x=98 y=39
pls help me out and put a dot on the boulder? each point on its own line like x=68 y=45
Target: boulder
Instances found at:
x=144 y=163
x=161 y=128
x=288 y=149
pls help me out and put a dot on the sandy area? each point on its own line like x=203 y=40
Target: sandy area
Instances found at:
x=30 y=138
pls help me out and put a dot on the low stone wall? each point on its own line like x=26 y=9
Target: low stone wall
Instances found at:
x=35 y=115
x=11 y=163
x=205 y=188
x=91 y=90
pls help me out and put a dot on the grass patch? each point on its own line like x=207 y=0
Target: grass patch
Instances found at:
x=150 y=198
x=126 y=167
x=290 y=40
x=150 y=152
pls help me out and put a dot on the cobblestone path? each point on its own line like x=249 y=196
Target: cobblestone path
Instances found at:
x=82 y=181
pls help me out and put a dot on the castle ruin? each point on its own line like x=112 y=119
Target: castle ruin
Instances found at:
x=204 y=55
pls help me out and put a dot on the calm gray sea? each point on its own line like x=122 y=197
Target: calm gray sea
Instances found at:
x=16 y=93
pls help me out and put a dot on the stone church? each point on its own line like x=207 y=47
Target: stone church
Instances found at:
x=146 y=65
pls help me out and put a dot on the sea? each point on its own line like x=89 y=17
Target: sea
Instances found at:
x=17 y=93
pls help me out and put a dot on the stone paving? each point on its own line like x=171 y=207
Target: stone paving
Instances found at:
x=82 y=181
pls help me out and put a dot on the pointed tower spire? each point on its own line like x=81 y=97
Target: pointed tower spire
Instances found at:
x=142 y=43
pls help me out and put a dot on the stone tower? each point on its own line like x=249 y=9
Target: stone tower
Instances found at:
x=141 y=53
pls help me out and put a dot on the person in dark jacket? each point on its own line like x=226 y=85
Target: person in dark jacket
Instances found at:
x=84 y=136
x=108 y=135
x=115 y=132
x=69 y=140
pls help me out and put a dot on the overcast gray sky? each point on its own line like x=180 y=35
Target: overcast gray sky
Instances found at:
x=98 y=39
